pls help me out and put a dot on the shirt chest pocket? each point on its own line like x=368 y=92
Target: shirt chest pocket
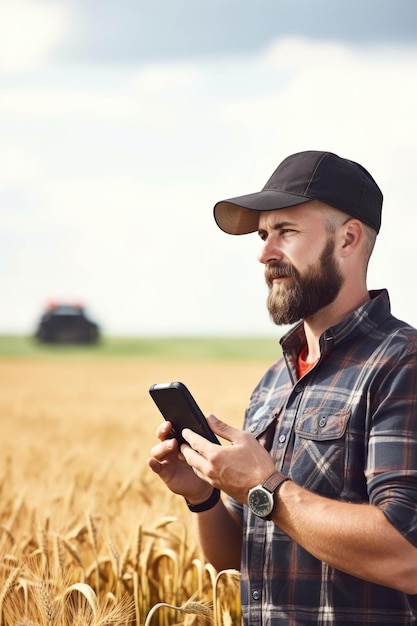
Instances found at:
x=318 y=459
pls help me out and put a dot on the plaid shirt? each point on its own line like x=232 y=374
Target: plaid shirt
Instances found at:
x=346 y=430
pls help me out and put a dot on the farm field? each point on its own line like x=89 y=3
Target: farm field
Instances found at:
x=88 y=533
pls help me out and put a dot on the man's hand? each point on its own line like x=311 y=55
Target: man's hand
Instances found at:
x=167 y=461
x=234 y=468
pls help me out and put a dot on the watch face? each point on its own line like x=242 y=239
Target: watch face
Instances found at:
x=260 y=501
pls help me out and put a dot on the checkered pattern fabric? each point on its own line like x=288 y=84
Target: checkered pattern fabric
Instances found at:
x=346 y=430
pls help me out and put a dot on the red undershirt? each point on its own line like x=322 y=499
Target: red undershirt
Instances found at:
x=303 y=366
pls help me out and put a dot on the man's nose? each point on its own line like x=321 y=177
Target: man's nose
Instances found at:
x=270 y=252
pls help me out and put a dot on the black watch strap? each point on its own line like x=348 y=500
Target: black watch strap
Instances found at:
x=207 y=504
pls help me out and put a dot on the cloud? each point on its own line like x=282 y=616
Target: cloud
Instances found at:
x=165 y=77
x=136 y=96
x=30 y=30
x=356 y=101
x=333 y=91
x=61 y=102
x=109 y=178
x=18 y=165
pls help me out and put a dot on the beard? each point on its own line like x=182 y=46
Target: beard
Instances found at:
x=303 y=295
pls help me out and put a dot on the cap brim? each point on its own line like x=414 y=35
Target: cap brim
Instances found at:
x=240 y=216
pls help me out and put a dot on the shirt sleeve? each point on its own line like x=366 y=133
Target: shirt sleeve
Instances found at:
x=392 y=449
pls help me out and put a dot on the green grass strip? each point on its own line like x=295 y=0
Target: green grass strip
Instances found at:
x=186 y=348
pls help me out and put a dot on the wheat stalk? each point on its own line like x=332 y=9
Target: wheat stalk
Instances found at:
x=24 y=586
x=60 y=555
x=9 y=536
x=86 y=592
x=17 y=509
x=7 y=587
x=47 y=603
x=216 y=600
x=199 y=567
x=190 y=607
x=75 y=555
x=136 y=598
x=114 y=557
x=92 y=532
x=138 y=545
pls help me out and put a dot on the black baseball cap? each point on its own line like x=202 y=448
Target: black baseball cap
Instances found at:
x=300 y=178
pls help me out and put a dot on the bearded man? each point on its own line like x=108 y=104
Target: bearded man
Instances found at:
x=320 y=506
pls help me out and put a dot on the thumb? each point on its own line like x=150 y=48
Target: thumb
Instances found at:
x=223 y=430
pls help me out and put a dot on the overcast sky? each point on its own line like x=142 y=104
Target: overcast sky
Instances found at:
x=123 y=122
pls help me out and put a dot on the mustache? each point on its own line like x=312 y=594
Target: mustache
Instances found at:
x=279 y=270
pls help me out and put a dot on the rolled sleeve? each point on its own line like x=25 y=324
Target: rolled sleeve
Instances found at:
x=392 y=451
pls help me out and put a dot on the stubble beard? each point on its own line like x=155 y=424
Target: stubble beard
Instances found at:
x=300 y=297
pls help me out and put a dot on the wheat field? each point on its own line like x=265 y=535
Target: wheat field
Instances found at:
x=89 y=535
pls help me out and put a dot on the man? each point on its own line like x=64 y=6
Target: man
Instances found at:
x=321 y=483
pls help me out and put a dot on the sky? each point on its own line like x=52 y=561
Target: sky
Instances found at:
x=123 y=123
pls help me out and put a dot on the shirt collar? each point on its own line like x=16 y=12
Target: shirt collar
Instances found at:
x=369 y=315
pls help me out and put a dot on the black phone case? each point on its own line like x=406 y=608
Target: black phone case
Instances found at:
x=178 y=406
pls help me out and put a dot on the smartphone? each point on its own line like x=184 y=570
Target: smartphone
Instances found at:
x=178 y=406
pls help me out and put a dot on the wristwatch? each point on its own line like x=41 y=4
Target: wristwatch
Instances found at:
x=261 y=499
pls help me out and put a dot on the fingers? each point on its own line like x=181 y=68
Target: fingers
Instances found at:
x=164 y=448
x=161 y=453
x=196 y=442
x=197 y=461
x=164 y=431
x=204 y=448
x=198 y=457
x=223 y=430
x=154 y=465
x=202 y=456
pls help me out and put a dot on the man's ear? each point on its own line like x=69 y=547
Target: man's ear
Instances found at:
x=351 y=236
